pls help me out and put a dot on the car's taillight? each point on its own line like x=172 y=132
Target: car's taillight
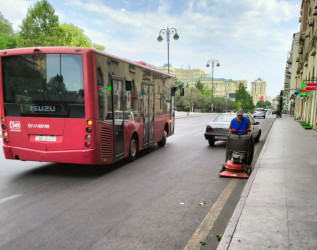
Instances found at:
x=208 y=128
x=248 y=130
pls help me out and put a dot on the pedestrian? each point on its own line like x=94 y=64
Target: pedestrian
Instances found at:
x=240 y=124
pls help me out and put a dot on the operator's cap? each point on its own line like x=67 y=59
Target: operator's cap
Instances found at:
x=240 y=112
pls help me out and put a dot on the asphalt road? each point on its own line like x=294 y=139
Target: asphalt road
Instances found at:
x=151 y=203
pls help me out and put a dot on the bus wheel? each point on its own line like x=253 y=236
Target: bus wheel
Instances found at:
x=133 y=149
x=163 y=141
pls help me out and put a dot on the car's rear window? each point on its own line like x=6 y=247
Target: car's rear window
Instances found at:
x=224 y=118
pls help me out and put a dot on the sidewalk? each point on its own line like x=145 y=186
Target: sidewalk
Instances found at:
x=183 y=114
x=278 y=207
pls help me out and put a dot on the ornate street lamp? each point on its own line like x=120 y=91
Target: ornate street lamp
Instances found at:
x=212 y=62
x=168 y=32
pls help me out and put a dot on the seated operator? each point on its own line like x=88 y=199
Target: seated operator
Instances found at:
x=240 y=124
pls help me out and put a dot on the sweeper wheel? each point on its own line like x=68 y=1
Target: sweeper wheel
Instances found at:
x=223 y=168
x=248 y=170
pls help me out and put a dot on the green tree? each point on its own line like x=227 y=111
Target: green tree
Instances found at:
x=268 y=104
x=260 y=104
x=7 y=36
x=243 y=99
x=73 y=36
x=207 y=91
x=199 y=85
x=263 y=104
x=40 y=27
x=5 y=26
x=98 y=47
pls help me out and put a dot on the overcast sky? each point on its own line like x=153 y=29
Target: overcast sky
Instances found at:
x=250 y=38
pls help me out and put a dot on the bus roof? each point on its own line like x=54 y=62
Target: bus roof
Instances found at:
x=76 y=50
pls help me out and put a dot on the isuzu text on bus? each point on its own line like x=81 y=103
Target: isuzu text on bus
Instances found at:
x=78 y=105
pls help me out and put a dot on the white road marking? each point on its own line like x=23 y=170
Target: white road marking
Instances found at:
x=205 y=226
x=9 y=198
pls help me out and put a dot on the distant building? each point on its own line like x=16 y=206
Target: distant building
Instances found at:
x=183 y=73
x=258 y=90
x=222 y=87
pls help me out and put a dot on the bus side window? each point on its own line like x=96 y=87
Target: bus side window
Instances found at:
x=101 y=94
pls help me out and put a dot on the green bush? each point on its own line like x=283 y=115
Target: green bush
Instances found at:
x=186 y=108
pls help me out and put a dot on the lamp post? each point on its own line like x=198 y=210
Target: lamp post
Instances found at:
x=212 y=62
x=168 y=32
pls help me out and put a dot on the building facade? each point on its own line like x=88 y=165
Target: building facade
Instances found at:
x=258 y=90
x=183 y=73
x=301 y=66
x=222 y=87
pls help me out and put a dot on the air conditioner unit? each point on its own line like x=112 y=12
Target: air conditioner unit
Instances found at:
x=300 y=19
x=315 y=12
x=311 y=21
x=307 y=33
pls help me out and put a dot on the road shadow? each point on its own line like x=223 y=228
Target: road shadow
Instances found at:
x=80 y=171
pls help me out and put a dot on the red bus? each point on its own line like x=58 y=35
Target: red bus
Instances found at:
x=79 y=105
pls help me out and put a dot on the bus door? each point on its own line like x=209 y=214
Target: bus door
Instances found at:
x=118 y=116
x=147 y=112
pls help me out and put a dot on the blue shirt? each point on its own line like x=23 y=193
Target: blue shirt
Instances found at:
x=240 y=126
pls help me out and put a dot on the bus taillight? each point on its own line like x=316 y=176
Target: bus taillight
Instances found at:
x=88 y=130
x=4 y=131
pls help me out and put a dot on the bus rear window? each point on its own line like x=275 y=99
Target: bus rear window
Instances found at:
x=43 y=85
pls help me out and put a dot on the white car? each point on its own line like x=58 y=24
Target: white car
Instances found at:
x=218 y=128
x=259 y=112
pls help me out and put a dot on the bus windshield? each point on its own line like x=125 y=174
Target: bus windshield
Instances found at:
x=43 y=85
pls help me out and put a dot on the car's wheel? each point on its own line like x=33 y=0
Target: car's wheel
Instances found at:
x=133 y=149
x=211 y=142
x=163 y=141
x=257 y=138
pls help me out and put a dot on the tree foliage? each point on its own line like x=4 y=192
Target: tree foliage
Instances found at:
x=98 y=47
x=40 y=27
x=202 y=100
x=263 y=104
x=244 y=99
x=199 y=85
x=7 y=36
x=73 y=36
x=5 y=26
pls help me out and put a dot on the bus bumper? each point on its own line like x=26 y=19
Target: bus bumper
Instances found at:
x=88 y=156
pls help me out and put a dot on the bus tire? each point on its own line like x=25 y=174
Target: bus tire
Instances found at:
x=163 y=141
x=133 y=149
